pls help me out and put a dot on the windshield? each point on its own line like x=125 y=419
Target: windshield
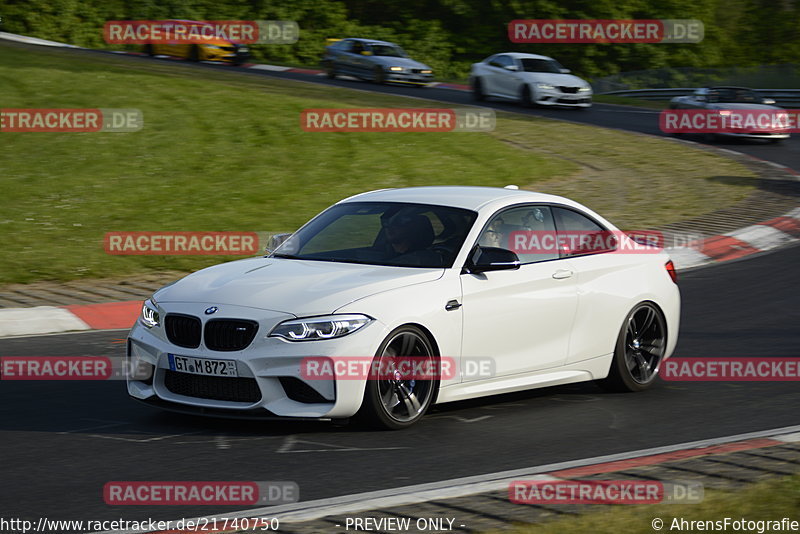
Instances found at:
x=733 y=96
x=541 y=65
x=382 y=233
x=387 y=50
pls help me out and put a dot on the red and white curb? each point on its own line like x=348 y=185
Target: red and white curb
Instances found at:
x=743 y=242
x=57 y=319
x=491 y=482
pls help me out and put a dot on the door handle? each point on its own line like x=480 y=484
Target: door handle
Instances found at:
x=562 y=273
x=452 y=305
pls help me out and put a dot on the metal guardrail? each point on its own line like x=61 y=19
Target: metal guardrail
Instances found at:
x=787 y=98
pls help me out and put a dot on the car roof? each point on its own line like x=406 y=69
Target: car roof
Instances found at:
x=521 y=55
x=466 y=197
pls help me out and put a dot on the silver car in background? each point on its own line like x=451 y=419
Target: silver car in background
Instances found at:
x=726 y=99
x=376 y=61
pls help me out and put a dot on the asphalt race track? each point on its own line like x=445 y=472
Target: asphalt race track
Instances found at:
x=62 y=441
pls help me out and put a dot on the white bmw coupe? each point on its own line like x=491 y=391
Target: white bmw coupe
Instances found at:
x=488 y=288
x=530 y=79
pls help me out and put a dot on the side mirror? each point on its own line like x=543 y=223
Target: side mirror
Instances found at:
x=768 y=101
x=485 y=259
x=565 y=71
x=275 y=241
x=700 y=98
x=512 y=68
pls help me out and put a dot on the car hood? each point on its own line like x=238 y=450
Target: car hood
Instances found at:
x=297 y=287
x=405 y=62
x=567 y=80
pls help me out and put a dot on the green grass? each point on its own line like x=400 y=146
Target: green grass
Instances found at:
x=224 y=151
x=770 y=500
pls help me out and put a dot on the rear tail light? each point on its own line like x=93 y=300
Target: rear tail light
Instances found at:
x=671 y=271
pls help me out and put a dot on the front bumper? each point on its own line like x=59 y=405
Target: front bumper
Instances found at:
x=269 y=383
x=556 y=97
x=408 y=77
x=756 y=135
x=237 y=57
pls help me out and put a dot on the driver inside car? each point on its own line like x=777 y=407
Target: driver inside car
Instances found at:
x=408 y=234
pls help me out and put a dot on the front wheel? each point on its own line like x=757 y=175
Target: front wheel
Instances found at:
x=391 y=400
x=477 y=90
x=525 y=97
x=330 y=71
x=640 y=348
x=378 y=76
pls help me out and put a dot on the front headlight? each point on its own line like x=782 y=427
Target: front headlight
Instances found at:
x=585 y=89
x=426 y=71
x=316 y=328
x=150 y=316
x=243 y=49
x=545 y=86
x=396 y=69
x=214 y=47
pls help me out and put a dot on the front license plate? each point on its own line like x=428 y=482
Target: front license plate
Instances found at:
x=202 y=366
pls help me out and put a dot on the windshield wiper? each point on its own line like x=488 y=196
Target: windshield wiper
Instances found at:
x=286 y=256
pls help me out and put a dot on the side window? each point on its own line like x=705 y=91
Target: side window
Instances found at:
x=357 y=47
x=503 y=61
x=529 y=231
x=499 y=61
x=579 y=235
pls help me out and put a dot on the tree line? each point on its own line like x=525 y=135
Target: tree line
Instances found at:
x=449 y=35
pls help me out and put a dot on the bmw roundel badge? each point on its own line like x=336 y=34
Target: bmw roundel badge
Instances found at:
x=212 y=309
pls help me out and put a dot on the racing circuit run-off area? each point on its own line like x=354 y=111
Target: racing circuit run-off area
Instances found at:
x=345 y=267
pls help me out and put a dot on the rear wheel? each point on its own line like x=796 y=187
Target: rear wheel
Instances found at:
x=640 y=348
x=392 y=401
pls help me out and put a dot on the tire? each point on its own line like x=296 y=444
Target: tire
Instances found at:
x=477 y=90
x=525 y=97
x=149 y=50
x=378 y=76
x=393 y=404
x=330 y=71
x=194 y=53
x=639 y=350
